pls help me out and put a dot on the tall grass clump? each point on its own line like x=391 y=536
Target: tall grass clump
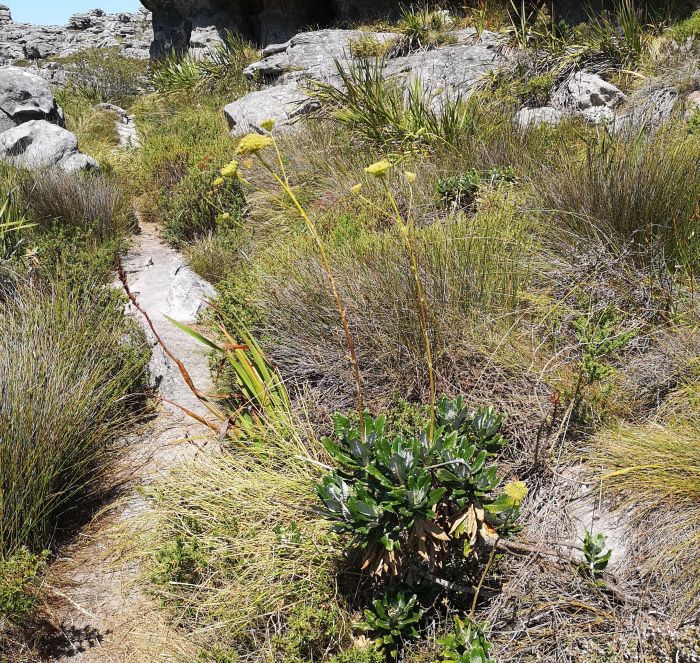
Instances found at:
x=653 y=475
x=633 y=196
x=219 y=70
x=390 y=114
x=69 y=368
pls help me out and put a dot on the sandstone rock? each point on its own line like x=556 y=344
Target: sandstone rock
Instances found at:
x=283 y=103
x=527 y=118
x=599 y=115
x=5 y=14
x=584 y=90
x=647 y=109
x=40 y=144
x=92 y=29
x=126 y=126
x=692 y=104
x=187 y=295
x=25 y=96
x=308 y=55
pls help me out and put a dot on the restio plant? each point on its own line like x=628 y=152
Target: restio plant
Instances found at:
x=466 y=644
x=392 y=620
x=413 y=502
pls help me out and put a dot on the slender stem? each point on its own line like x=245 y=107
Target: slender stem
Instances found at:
x=284 y=183
x=487 y=568
x=422 y=309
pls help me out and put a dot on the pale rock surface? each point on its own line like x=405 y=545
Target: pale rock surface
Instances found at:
x=40 y=144
x=584 y=90
x=25 y=96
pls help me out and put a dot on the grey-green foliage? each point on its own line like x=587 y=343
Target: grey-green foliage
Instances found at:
x=465 y=644
x=595 y=555
x=386 y=490
x=392 y=620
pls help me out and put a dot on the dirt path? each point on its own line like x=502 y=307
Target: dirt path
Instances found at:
x=98 y=601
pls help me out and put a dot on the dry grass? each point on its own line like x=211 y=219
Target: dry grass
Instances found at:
x=652 y=473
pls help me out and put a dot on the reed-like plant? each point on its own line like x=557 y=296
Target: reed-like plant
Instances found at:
x=69 y=368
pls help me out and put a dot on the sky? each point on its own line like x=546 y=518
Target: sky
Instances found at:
x=57 y=12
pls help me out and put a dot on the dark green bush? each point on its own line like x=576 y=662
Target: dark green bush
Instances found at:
x=416 y=501
x=20 y=575
x=196 y=207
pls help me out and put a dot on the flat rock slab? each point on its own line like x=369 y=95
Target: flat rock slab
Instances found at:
x=25 y=96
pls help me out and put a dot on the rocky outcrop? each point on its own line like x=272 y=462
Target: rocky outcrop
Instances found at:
x=178 y=24
x=31 y=125
x=131 y=33
x=25 y=96
x=40 y=144
x=312 y=56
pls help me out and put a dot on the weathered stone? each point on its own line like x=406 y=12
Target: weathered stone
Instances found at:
x=647 y=109
x=599 y=115
x=528 y=118
x=187 y=295
x=40 y=144
x=264 y=22
x=283 y=103
x=25 y=96
x=584 y=90
x=692 y=104
x=5 y=14
x=93 y=29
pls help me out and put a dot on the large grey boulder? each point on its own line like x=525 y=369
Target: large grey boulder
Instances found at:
x=290 y=67
x=5 y=14
x=283 y=103
x=39 y=144
x=25 y=96
x=309 y=55
x=583 y=90
x=648 y=109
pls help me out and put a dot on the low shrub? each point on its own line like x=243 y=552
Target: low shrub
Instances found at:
x=69 y=367
x=686 y=29
x=93 y=203
x=102 y=75
x=217 y=71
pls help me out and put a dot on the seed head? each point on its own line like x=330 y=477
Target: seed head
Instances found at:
x=378 y=169
x=252 y=144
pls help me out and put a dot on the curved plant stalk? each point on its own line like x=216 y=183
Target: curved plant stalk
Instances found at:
x=282 y=179
x=405 y=229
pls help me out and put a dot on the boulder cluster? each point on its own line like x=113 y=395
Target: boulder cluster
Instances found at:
x=32 y=133
x=131 y=33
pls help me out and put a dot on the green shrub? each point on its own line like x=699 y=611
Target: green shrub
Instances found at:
x=20 y=578
x=98 y=75
x=687 y=29
x=392 y=620
x=310 y=632
x=386 y=493
x=69 y=367
x=595 y=555
x=218 y=71
x=466 y=644
x=461 y=190
x=392 y=115
x=195 y=207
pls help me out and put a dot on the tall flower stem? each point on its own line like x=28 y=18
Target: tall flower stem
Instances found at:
x=422 y=306
x=325 y=263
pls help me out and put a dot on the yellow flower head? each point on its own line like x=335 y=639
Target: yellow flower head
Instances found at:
x=410 y=177
x=218 y=181
x=268 y=124
x=516 y=490
x=378 y=169
x=230 y=169
x=252 y=144
x=356 y=189
x=225 y=216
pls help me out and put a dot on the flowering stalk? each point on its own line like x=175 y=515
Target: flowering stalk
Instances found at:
x=379 y=171
x=251 y=145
